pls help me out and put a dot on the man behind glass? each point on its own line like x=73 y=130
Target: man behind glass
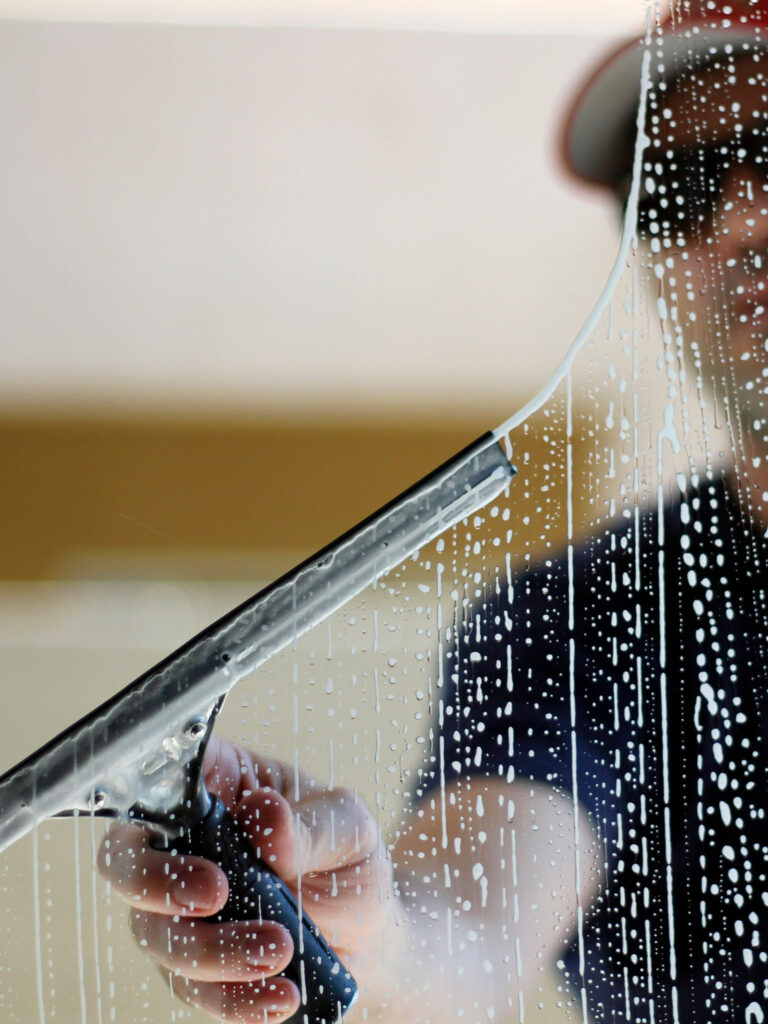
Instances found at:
x=636 y=854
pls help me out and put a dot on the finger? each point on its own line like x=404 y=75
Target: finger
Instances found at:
x=233 y=772
x=204 y=951
x=155 y=880
x=269 y=1002
x=336 y=830
x=327 y=831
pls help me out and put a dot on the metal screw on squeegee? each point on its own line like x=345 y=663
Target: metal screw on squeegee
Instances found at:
x=97 y=799
x=195 y=729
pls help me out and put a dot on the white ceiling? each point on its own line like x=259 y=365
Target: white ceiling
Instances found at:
x=289 y=219
x=585 y=16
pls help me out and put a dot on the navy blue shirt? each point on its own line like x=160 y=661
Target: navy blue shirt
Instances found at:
x=652 y=681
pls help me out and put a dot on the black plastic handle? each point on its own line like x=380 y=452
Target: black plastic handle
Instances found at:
x=256 y=893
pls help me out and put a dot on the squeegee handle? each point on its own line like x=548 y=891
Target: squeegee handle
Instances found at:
x=255 y=894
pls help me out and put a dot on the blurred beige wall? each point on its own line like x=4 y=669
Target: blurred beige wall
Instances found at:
x=291 y=261
x=291 y=221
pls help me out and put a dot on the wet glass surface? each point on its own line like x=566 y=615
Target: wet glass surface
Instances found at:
x=536 y=748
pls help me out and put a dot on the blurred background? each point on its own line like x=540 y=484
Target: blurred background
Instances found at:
x=258 y=277
x=263 y=265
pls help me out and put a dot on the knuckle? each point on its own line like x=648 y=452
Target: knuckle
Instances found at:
x=117 y=860
x=345 y=796
x=358 y=819
x=191 y=992
x=154 y=934
x=138 y=926
x=281 y=949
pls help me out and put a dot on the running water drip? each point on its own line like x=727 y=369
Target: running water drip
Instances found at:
x=38 y=923
x=79 y=937
x=628 y=239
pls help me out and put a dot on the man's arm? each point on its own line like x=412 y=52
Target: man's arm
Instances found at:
x=493 y=877
x=485 y=896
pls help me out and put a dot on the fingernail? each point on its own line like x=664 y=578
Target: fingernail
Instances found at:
x=267 y=947
x=280 y=1001
x=195 y=891
x=263 y=955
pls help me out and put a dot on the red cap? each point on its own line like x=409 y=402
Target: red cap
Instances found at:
x=598 y=133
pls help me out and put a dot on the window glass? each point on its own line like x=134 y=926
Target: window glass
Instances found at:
x=535 y=747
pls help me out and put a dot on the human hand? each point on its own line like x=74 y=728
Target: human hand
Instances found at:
x=302 y=830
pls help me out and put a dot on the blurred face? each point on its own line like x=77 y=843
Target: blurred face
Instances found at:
x=725 y=299
x=717 y=221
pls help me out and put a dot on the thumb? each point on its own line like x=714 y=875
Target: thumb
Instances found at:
x=266 y=818
x=325 y=831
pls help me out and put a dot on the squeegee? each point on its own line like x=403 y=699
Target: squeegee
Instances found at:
x=139 y=755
